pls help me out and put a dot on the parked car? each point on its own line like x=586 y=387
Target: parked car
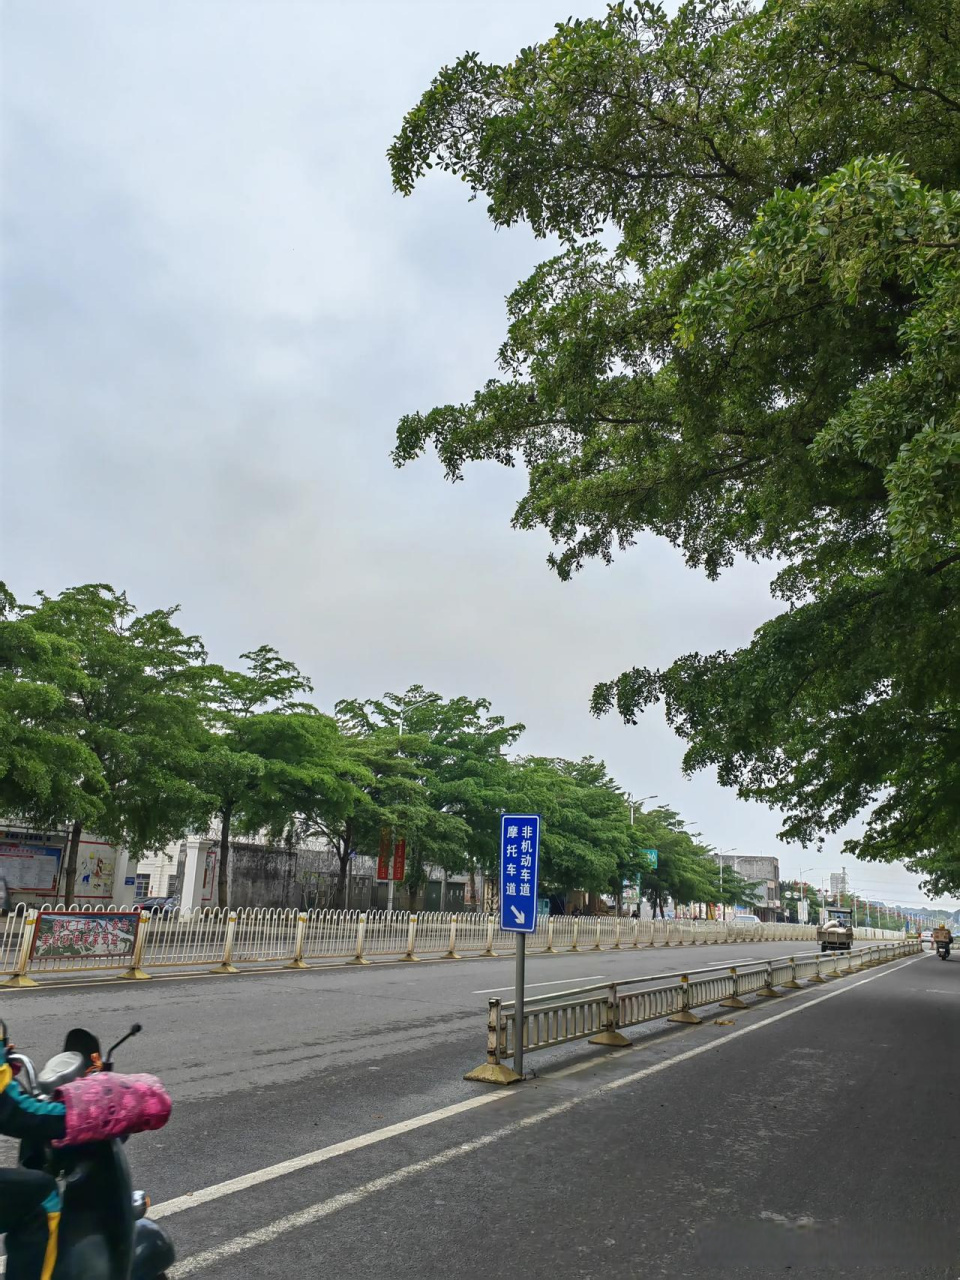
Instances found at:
x=747 y=920
x=162 y=905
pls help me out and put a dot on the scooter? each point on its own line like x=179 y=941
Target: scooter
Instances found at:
x=943 y=950
x=104 y=1231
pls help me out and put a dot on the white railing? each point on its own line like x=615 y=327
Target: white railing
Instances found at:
x=599 y=1012
x=220 y=938
x=11 y=939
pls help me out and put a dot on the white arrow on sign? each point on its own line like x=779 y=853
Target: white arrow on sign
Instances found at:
x=517 y=915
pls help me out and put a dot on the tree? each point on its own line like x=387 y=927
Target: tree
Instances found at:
x=455 y=749
x=757 y=359
x=587 y=841
x=684 y=873
x=137 y=710
x=790 y=896
x=244 y=711
x=383 y=791
x=46 y=770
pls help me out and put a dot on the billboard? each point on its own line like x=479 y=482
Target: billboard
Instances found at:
x=29 y=862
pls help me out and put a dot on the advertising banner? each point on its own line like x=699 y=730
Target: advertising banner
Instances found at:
x=85 y=933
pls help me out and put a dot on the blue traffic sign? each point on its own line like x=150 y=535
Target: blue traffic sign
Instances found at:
x=519 y=869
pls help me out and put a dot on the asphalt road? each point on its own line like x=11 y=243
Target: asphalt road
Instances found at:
x=814 y=1134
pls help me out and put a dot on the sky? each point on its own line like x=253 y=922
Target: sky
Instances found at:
x=215 y=309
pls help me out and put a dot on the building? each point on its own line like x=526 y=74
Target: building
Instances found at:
x=762 y=871
x=838 y=884
x=155 y=874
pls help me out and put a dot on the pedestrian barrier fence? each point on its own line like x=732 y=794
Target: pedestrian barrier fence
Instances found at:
x=599 y=1012
x=224 y=940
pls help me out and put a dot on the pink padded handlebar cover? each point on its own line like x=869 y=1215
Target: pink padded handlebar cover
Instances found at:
x=107 y=1105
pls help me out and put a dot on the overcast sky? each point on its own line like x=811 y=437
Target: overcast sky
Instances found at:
x=215 y=310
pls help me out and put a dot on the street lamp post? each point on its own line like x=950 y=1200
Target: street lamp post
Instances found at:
x=802 y=872
x=632 y=804
x=635 y=804
x=720 y=855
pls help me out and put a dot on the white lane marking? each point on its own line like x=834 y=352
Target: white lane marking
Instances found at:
x=347 y=1198
x=727 y=964
x=489 y=991
x=314 y=1213
x=320 y=1156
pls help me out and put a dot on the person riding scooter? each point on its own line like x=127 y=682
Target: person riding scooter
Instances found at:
x=29 y=1198
x=943 y=941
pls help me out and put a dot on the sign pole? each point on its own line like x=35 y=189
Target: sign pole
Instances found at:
x=518 y=1004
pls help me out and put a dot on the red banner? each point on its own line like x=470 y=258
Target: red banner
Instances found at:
x=399 y=859
x=383 y=862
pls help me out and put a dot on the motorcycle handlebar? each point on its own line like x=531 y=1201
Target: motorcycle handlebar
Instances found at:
x=28 y=1069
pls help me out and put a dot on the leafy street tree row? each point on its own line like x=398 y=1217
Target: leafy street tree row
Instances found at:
x=747 y=344
x=113 y=720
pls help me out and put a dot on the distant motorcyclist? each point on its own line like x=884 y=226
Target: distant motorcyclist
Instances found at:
x=29 y=1198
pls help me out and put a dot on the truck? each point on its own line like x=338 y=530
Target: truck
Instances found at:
x=836 y=932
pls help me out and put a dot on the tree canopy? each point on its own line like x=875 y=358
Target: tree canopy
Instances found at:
x=134 y=707
x=747 y=344
x=249 y=748
x=47 y=771
x=115 y=722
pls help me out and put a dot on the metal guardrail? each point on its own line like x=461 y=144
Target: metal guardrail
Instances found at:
x=600 y=1012
x=223 y=939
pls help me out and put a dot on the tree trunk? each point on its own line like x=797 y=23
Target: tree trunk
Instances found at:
x=415 y=878
x=343 y=861
x=222 y=881
x=70 y=879
x=477 y=906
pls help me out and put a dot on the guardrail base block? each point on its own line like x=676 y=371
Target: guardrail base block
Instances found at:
x=493 y=1073
x=408 y=959
x=733 y=1002
x=687 y=1017
x=769 y=993
x=816 y=977
x=359 y=960
x=225 y=968
x=19 y=980
x=793 y=985
x=451 y=955
x=136 y=974
x=296 y=964
x=612 y=1038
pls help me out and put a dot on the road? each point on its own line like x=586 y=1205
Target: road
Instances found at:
x=809 y=1134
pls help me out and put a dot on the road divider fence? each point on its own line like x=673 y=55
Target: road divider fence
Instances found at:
x=601 y=1011
x=224 y=940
